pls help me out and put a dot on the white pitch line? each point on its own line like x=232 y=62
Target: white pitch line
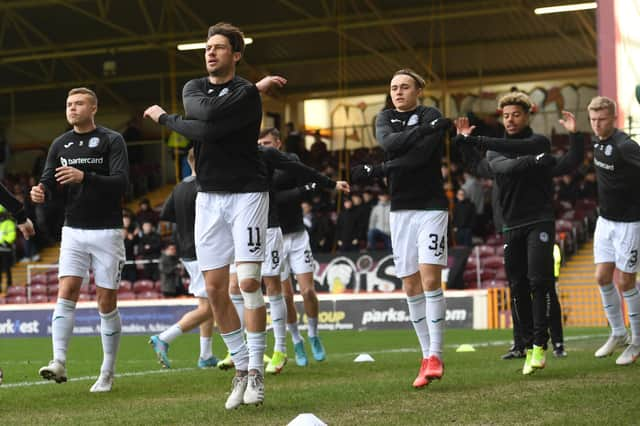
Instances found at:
x=343 y=354
x=85 y=378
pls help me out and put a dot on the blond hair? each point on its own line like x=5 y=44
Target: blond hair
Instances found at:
x=516 y=98
x=411 y=73
x=84 y=91
x=602 y=102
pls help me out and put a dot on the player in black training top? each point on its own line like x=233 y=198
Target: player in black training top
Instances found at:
x=521 y=294
x=232 y=205
x=419 y=215
x=616 y=241
x=525 y=195
x=90 y=163
x=180 y=208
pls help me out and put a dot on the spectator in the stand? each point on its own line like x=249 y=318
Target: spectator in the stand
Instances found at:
x=369 y=199
x=170 y=271
x=7 y=238
x=319 y=227
x=474 y=192
x=589 y=186
x=131 y=238
x=318 y=152
x=362 y=213
x=150 y=249
x=146 y=214
x=295 y=142
x=346 y=228
x=464 y=215
x=566 y=189
x=379 y=227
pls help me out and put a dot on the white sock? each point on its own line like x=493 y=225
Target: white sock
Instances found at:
x=110 y=330
x=312 y=326
x=257 y=343
x=205 y=348
x=436 y=311
x=62 y=327
x=632 y=299
x=237 y=348
x=171 y=333
x=613 y=309
x=295 y=333
x=238 y=303
x=418 y=315
x=279 y=322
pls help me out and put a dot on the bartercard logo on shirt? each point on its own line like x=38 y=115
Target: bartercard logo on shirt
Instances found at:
x=81 y=161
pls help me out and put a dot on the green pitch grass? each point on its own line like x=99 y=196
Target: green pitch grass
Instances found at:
x=478 y=387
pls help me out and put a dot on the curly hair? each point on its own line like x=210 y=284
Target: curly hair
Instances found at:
x=516 y=98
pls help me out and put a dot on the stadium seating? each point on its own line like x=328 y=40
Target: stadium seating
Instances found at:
x=16 y=290
x=126 y=295
x=16 y=299
x=141 y=286
x=144 y=295
x=39 y=298
x=493 y=262
x=485 y=250
x=38 y=289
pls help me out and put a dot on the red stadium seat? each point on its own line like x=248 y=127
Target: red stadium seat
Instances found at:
x=125 y=285
x=52 y=289
x=39 y=298
x=487 y=274
x=472 y=262
x=52 y=276
x=38 y=279
x=495 y=284
x=484 y=250
x=149 y=295
x=126 y=295
x=16 y=299
x=16 y=290
x=500 y=250
x=38 y=289
x=493 y=262
x=143 y=285
x=495 y=240
x=501 y=274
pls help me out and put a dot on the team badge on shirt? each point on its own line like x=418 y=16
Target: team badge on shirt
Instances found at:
x=544 y=237
x=413 y=120
x=608 y=150
x=93 y=142
x=223 y=92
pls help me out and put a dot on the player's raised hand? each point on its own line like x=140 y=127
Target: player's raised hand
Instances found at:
x=568 y=121
x=27 y=229
x=37 y=194
x=463 y=127
x=343 y=186
x=270 y=82
x=154 y=112
x=66 y=175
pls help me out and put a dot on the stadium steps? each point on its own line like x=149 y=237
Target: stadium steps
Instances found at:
x=50 y=255
x=580 y=269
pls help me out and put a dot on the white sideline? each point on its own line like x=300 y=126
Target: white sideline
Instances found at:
x=338 y=355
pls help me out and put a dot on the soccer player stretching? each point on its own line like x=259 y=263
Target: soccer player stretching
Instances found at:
x=180 y=208
x=418 y=214
x=91 y=164
x=233 y=202
x=617 y=237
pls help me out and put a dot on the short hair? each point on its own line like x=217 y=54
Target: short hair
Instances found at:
x=232 y=33
x=516 y=98
x=84 y=91
x=411 y=73
x=602 y=102
x=269 y=131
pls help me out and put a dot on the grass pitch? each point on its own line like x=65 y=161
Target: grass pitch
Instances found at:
x=478 y=387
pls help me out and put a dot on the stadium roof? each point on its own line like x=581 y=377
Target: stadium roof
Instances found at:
x=321 y=46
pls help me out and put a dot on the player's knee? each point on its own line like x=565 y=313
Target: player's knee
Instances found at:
x=307 y=292
x=249 y=272
x=253 y=299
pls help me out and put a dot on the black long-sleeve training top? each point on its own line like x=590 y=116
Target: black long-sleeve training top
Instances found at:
x=101 y=154
x=408 y=134
x=288 y=188
x=617 y=163
x=525 y=188
x=180 y=208
x=223 y=121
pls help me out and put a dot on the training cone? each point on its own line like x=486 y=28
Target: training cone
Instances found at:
x=306 y=419
x=364 y=358
x=465 y=348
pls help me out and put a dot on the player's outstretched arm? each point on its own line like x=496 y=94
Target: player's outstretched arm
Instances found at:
x=200 y=106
